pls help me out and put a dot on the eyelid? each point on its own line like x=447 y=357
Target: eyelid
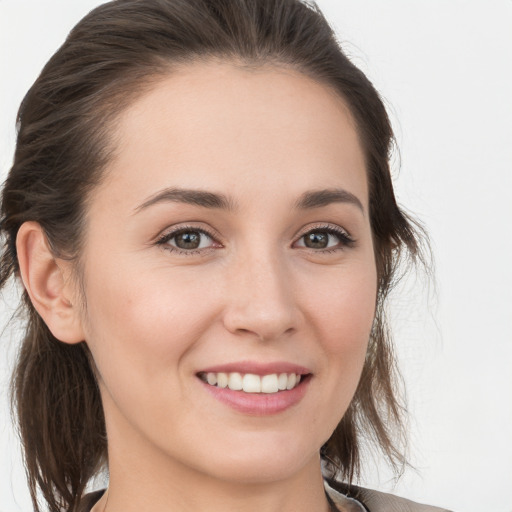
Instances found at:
x=171 y=232
x=346 y=239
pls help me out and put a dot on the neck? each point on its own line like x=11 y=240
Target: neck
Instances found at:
x=139 y=481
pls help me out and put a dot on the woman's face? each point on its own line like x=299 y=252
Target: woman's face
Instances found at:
x=230 y=242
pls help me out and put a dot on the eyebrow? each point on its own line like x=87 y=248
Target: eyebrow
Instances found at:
x=320 y=198
x=189 y=196
x=308 y=200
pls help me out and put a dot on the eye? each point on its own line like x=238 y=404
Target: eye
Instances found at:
x=325 y=238
x=187 y=240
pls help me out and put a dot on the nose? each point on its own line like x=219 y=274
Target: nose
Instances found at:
x=260 y=299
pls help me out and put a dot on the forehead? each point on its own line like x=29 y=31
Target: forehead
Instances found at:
x=221 y=124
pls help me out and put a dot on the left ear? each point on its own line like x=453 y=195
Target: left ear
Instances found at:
x=48 y=283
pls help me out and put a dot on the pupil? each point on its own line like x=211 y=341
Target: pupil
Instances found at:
x=316 y=240
x=188 y=240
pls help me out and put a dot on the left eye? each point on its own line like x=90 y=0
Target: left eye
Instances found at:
x=188 y=239
x=323 y=239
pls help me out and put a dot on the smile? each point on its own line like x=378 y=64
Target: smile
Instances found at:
x=251 y=383
x=257 y=389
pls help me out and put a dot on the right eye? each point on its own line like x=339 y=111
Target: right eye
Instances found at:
x=187 y=240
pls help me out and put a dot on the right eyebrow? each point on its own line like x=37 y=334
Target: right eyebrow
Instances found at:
x=189 y=196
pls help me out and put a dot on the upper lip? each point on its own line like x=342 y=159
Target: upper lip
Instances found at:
x=257 y=368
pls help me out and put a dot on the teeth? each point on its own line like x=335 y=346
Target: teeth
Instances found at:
x=269 y=383
x=282 y=381
x=222 y=380
x=292 y=380
x=250 y=383
x=235 y=382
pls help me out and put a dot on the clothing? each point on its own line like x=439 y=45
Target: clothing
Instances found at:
x=373 y=501
x=355 y=499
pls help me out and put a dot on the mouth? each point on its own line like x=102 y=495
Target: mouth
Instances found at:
x=252 y=383
x=257 y=389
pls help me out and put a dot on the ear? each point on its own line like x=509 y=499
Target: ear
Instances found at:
x=48 y=283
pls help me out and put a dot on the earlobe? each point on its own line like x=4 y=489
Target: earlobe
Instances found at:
x=46 y=280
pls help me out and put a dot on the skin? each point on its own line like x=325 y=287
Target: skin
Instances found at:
x=254 y=291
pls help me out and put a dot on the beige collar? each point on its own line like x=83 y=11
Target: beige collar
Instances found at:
x=343 y=504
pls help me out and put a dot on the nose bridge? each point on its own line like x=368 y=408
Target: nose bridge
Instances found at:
x=261 y=299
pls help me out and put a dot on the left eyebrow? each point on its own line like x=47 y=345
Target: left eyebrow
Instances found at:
x=325 y=197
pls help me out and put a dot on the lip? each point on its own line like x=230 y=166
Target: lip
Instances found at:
x=257 y=368
x=258 y=404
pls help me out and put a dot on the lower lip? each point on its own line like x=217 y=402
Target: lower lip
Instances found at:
x=259 y=404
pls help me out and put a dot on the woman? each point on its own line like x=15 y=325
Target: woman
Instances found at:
x=201 y=212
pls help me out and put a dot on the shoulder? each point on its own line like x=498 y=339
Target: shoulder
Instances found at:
x=375 y=501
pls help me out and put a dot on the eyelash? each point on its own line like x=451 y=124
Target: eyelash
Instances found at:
x=166 y=237
x=345 y=240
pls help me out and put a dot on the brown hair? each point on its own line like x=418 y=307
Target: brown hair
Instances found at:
x=64 y=143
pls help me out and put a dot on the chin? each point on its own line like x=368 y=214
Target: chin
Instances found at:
x=262 y=460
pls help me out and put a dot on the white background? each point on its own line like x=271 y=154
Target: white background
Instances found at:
x=444 y=68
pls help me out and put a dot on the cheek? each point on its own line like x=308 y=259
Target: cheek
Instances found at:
x=344 y=308
x=145 y=319
x=343 y=311
x=141 y=331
